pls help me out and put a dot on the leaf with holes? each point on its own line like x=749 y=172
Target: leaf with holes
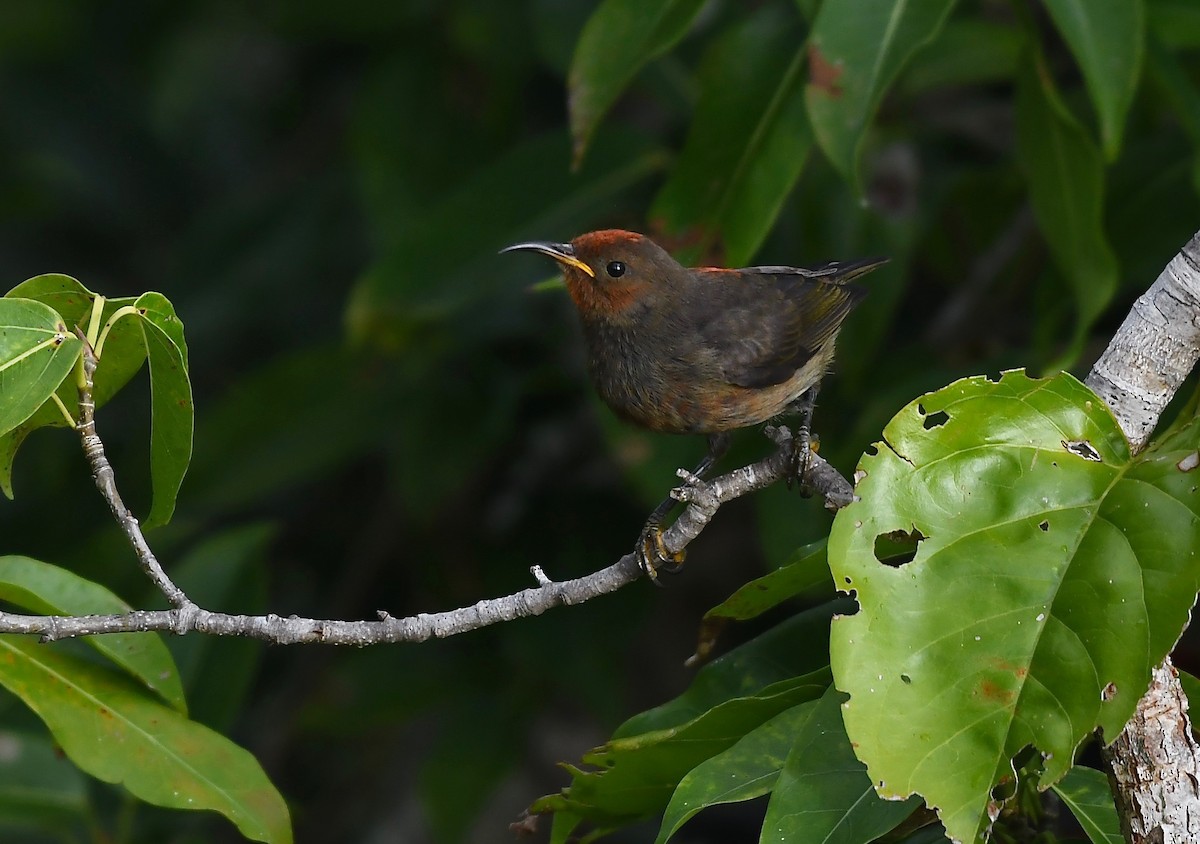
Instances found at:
x=1051 y=571
x=37 y=352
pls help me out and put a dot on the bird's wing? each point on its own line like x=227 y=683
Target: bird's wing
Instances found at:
x=789 y=315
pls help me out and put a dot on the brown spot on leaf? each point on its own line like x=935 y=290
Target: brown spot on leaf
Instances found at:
x=823 y=75
x=991 y=690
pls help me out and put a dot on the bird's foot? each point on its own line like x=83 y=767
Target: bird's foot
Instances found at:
x=653 y=555
x=804 y=444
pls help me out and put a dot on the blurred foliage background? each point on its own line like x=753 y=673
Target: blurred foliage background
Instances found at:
x=389 y=418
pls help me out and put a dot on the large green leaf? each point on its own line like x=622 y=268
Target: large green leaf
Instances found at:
x=37 y=353
x=746 y=770
x=620 y=38
x=1088 y=795
x=747 y=143
x=823 y=793
x=1107 y=38
x=115 y=732
x=855 y=51
x=171 y=413
x=1065 y=175
x=1051 y=572
x=49 y=590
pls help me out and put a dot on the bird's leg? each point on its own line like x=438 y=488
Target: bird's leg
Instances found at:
x=802 y=445
x=652 y=554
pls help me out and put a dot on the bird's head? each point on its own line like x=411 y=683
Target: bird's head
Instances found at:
x=610 y=272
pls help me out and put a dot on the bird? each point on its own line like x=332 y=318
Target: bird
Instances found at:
x=703 y=350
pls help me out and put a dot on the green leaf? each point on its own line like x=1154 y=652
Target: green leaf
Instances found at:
x=1089 y=797
x=114 y=732
x=124 y=353
x=1066 y=189
x=748 y=141
x=1107 y=38
x=969 y=51
x=634 y=776
x=49 y=590
x=1052 y=571
x=808 y=568
x=746 y=770
x=37 y=353
x=171 y=411
x=38 y=787
x=620 y=38
x=855 y=51
x=823 y=793
x=1177 y=22
x=796 y=647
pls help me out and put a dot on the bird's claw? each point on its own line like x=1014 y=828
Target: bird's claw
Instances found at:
x=653 y=555
x=804 y=444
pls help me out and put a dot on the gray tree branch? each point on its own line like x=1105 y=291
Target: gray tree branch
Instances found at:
x=704 y=499
x=1155 y=759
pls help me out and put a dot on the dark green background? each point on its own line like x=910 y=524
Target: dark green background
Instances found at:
x=387 y=416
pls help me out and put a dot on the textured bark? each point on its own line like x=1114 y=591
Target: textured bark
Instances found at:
x=1154 y=767
x=1155 y=759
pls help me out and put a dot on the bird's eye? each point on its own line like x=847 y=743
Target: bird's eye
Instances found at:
x=616 y=269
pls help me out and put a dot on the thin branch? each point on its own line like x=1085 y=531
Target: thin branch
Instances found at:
x=703 y=499
x=106 y=482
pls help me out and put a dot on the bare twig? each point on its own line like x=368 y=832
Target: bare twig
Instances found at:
x=705 y=499
x=102 y=473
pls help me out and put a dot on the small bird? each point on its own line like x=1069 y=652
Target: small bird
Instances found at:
x=703 y=350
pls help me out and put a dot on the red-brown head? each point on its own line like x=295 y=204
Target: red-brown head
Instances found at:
x=609 y=271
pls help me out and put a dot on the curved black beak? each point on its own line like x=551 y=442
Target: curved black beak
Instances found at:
x=561 y=252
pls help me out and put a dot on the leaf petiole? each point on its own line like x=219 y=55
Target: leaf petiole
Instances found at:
x=98 y=346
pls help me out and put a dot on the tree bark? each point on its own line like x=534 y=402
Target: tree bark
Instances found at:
x=1155 y=760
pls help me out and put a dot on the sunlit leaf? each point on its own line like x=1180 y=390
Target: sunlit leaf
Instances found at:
x=1107 y=38
x=171 y=412
x=823 y=793
x=124 y=353
x=1051 y=572
x=116 y=733
x=747 y=144
x=620 y=38
x=49 y=590
x=1088 y=795
x=37 y=352
x=855 y=51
